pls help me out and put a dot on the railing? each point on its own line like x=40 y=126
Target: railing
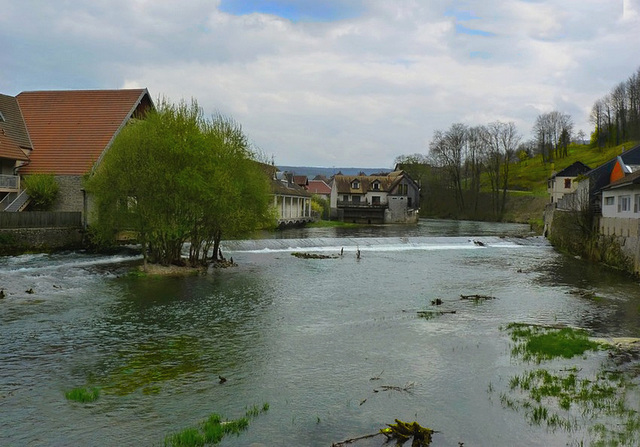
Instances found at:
x=41 y=219
x=9 y=182
x=351 y=204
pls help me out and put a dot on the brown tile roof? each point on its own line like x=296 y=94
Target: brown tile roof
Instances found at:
x=14 y=139
x=318 y=187
x=71 y=129
x=365 y=182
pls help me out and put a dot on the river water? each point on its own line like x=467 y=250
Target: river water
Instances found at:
x=334 y=346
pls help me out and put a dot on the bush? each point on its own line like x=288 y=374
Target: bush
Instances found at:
x=43 y=190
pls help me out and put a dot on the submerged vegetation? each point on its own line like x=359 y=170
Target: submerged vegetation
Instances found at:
x=538 y=343
x=212 y=430
x=83 y=394
x=569 y=398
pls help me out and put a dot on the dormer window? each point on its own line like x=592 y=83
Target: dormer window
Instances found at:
x=376 y=186
x=2 y=120
x=355 y=184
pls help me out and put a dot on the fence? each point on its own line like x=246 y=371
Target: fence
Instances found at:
x=41 y=219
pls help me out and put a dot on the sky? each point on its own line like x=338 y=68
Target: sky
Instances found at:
x=333 y=82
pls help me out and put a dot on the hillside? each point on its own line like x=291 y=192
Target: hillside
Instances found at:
x=531 y=175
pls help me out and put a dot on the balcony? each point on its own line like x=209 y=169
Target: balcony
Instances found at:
x=9 y=183
x=352 y=204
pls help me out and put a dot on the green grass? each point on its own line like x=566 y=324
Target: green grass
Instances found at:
x=569 y=398
x=532 y=174
x=213 y=430
x=82 y=394
x=536 y=343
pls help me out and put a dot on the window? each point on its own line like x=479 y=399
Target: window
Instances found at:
x=2 y=120
x=355 y=184
x=624 y=204
x=375 y=200
x=356 y=199
x=345 y=198
x=636 y=203
x=609 y=200
x=376 y=185
x=567 y=183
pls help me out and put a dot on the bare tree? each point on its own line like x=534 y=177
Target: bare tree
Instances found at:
x=502 y=139
x=447 y=151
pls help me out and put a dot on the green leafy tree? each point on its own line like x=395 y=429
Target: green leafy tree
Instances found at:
x=176 y=177
x=42 y=189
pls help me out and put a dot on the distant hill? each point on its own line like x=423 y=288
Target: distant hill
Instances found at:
x=311 y=172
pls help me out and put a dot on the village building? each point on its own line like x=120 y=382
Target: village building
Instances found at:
x=63 y=133
x=375 y=199
x=564 y=181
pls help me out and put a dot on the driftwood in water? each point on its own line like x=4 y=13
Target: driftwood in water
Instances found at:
x=477 y=297
x=428 y=314
x=400 y=432
x=311 y=255
x=407 y=388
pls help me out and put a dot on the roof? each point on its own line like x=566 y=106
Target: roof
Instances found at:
x=300 y=180
x=627 y=180
x=14 y=139
x=600 y=176
x=318 y=187
x=573 y=170
x=71 y=129
x=344 y=183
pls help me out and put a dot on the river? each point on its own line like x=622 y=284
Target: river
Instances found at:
x=334 y=346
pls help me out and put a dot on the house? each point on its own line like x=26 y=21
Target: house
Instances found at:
x=602 y=176
x=15 y=147
x=385 y=198
x=564 y=182
x=69 y=131
x=319 y=188
x=291 y=202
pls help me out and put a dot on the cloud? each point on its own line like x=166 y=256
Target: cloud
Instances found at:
x=337 y=85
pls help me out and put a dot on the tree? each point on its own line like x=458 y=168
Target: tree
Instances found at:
x=502 y=139
x=447 y=151
x=175 y=177
x=42 y=189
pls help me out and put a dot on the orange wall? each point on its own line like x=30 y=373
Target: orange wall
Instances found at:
x=616 y=173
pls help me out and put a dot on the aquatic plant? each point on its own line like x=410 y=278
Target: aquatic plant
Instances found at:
x=83 y=394
x=212 y=430
x=538 y=343
x=567 y=398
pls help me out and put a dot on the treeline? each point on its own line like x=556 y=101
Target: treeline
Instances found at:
x=466 y=171
x=462 y=162
x=616 y=116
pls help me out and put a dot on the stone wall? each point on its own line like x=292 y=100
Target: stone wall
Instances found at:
x=611 y=241
x=626 y=232
x=20 y=240
x=70 y=194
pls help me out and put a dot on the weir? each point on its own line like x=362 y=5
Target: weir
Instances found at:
x=377 y=244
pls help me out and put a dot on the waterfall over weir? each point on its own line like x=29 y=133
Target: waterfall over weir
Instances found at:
x=378 y=244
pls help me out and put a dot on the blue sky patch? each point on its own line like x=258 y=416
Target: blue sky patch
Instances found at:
x=461 y=16
x=296 y=10
x=472 y=32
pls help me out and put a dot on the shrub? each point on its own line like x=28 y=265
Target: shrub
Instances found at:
x=43 y=190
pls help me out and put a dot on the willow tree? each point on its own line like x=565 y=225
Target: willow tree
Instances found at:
x=177 y=177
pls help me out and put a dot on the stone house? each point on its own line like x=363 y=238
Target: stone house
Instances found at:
x=69 y=131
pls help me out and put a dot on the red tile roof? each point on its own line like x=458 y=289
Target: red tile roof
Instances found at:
x=71 y=129
x=318 y=187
